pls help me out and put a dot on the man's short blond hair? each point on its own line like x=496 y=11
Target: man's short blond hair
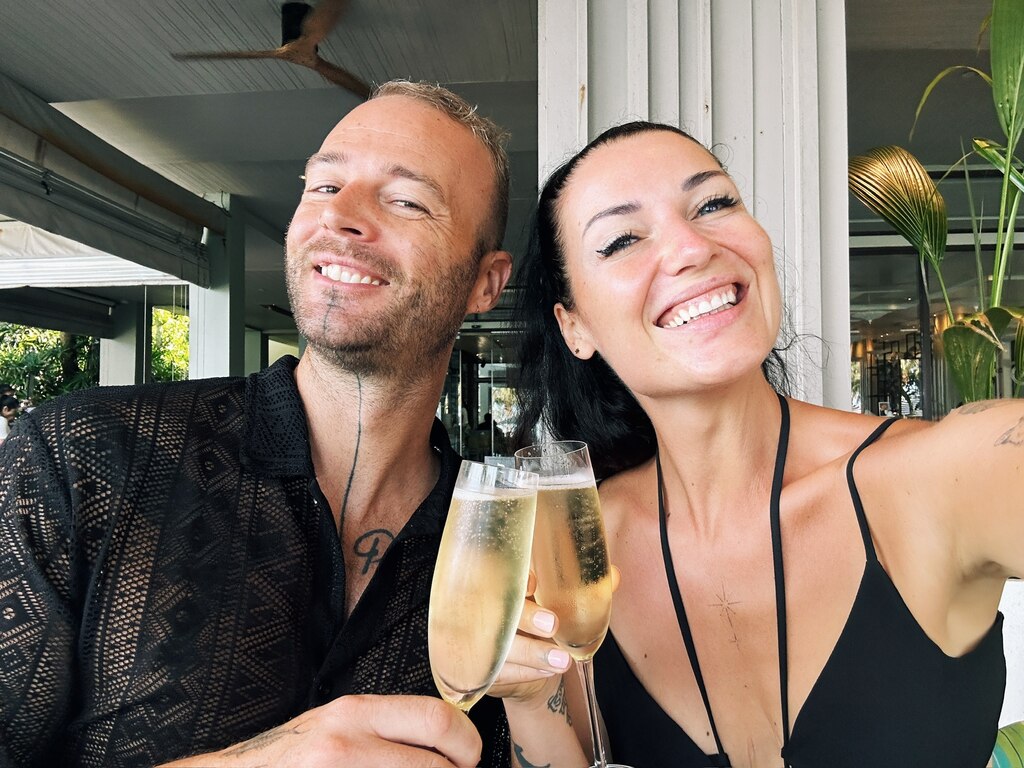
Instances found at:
x=489 y=133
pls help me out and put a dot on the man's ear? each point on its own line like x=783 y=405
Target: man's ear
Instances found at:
x=494 y=270
x=574 y=332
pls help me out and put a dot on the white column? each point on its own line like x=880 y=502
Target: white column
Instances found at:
x=762 y=83
x=216 y=341
x=1012 y=606
x=124 y=358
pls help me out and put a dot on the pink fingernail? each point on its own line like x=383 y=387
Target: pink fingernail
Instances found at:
x=558 y=658
x=544 y=621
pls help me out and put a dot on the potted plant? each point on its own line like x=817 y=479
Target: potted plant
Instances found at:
x=892 y=183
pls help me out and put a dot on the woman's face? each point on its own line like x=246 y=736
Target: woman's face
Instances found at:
x=672 y=279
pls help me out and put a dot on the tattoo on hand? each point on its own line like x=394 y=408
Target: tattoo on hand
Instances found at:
x=558 y=704
x=261 y=740
x=1013 y=436
x=523 y=762
x=372 y=545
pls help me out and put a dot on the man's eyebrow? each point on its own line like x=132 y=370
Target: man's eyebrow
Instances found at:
x=326 y=158
x=405 y=173
x=632 y=207
x=395 y=170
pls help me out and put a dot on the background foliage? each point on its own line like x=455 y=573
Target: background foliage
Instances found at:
x=41 y=364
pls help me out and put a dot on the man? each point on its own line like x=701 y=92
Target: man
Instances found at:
x=238 y=565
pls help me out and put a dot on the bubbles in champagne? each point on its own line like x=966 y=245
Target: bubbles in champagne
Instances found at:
x=571 y=560
x=478 y=591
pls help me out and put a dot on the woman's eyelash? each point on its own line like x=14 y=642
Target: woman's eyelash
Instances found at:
x=617 y=244
x=717 y=203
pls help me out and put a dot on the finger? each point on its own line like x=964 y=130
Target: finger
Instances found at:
x=615 y=577
x=531 y=584
x=537 y=621
x=537 y=654
x=422 y=721
x=377 y=753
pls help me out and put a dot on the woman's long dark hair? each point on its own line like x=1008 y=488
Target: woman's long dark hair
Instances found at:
x=578 y=399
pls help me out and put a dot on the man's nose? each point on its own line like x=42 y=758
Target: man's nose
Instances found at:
x=351 y=212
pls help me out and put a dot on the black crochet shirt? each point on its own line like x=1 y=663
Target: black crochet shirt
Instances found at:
x=170 y=585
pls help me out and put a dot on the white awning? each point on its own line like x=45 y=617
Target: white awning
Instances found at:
x=30 y=256
x=57 y=176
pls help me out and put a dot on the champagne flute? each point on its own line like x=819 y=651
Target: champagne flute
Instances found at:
x=479 y=585
x=570 y=558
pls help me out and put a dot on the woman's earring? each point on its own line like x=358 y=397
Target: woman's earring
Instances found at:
x=577 y=350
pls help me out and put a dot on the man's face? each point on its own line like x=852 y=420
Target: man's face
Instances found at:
x=382 y=250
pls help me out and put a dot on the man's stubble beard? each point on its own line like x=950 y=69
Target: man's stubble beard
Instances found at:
x=405 y=338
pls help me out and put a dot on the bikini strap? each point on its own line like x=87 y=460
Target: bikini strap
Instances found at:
x=677 y=600
x=780 y=579
x=858 y=507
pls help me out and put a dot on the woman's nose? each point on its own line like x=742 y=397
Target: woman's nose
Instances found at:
x=687 y=246
x=351 y=212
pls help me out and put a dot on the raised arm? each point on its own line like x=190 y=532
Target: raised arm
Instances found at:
x=977 y=460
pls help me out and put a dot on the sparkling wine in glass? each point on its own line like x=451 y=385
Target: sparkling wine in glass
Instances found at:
x=479 y=585
x=570 y=558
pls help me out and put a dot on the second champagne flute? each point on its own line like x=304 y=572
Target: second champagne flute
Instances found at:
x=570 y=558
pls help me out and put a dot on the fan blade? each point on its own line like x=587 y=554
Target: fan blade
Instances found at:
x=339 y=76
x=193 y=55
x=322 y=20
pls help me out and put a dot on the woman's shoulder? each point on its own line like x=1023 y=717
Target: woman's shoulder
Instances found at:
x=628 y=491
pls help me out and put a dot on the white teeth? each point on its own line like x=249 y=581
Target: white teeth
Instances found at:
x=338 y=274
x=717 y=301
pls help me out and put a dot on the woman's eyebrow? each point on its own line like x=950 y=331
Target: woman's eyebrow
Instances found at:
x=688 y=185
x=699 y=178
x=615 y=210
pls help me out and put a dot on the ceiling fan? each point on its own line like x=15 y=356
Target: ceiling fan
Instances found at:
x=302 y=28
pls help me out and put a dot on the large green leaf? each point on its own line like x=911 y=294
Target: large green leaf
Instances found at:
x=996 y=157
x=892 y=183
x=1009 y=751
x=1007 y=40
x=972 y=349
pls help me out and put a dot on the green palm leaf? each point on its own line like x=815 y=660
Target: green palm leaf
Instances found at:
x=1008 y=68
x=1009 y=751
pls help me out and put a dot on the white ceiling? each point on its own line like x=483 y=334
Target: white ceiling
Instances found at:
x=245 y=128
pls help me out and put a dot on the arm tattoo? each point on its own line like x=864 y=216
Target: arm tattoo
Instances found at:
x=558 y=704
x=355 y=456
x=979 y=407
x=1013 y=436
x=523 y=762
x=371 y=546
x=261 y=740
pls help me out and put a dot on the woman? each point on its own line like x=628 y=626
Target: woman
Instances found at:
x=799 y=586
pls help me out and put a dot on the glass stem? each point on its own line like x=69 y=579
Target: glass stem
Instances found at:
x=586 y=669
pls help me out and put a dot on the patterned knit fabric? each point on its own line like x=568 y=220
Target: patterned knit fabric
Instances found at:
x=169 y=584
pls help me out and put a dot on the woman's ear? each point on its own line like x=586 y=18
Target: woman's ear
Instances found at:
x=574 y=332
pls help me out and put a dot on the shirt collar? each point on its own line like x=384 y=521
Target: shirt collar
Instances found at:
x=276 y=439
